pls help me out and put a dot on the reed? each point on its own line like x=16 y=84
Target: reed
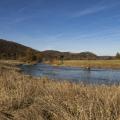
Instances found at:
x=28 y=98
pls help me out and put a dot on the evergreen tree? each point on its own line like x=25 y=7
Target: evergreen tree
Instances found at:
x=118 y=55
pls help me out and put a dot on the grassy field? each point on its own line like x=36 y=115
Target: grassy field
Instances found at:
x=29 y=98
x=91 y=63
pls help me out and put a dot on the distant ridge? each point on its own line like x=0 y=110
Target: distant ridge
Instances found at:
x=68 y=55
x=13 y=50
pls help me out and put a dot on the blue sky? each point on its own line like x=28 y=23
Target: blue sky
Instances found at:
x=65 y=25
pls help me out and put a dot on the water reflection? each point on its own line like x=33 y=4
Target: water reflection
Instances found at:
x=93 y=76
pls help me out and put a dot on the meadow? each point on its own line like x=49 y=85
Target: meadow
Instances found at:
x=111 y=64
x=25 y=97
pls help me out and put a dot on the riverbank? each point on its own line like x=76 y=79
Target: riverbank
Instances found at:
x=30 y=98
x=10 y=64
x=103 y=64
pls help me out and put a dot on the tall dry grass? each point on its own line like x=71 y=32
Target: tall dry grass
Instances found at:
x=28 y=98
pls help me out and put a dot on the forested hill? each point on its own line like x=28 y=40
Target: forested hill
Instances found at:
x=68 y=55
x=12 y=50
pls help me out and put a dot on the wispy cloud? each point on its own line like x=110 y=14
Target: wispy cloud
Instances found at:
x=94 y=9
x=89 y=11
x=20 y=10
x=20 y=15
x=20 y=19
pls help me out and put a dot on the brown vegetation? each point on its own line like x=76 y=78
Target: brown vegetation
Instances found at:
x=110 y=64
x=28 y=98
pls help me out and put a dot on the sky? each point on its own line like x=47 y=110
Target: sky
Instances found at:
x=64 y=25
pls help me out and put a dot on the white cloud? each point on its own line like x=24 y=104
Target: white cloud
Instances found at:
x=21 y=10
x=89 y=11
x=94 y=9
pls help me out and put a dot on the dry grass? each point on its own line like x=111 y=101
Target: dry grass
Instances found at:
x=92 y=63
x=10 y=64
x=28 y=98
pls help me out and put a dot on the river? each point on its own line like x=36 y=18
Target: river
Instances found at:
x=74 y=74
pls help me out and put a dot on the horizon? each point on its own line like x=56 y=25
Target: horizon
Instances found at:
x=67 y=26
x=59 y=50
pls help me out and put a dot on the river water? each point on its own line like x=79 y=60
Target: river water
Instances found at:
x=74 y=74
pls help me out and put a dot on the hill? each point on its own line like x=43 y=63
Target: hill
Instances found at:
x=51 y=54
x=12 y=50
